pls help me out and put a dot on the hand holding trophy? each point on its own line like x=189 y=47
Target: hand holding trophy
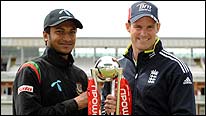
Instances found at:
x=107 y=69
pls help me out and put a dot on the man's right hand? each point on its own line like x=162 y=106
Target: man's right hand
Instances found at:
x=82 y=100
x=110 y=104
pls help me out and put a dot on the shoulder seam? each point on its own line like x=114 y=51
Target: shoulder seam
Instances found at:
x=34 y=66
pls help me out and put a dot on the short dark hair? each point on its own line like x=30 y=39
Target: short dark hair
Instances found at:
x=47 y=29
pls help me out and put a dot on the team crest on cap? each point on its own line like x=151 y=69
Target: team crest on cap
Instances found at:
x=79 y=88
x=68 y=14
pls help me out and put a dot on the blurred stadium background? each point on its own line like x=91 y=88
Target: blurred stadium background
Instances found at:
x=17 y=50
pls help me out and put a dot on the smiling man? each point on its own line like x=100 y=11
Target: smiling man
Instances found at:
x=161 y=83
x=51 y=84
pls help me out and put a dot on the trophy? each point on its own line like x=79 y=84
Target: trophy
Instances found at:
x=107 y=69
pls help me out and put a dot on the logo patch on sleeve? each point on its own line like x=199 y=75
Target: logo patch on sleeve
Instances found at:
x=79 y=88
x=25 y=88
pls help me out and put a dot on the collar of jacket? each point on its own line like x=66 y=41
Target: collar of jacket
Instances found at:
x=147 y=54
x=53 y=57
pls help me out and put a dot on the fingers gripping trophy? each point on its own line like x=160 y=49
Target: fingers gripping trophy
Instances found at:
x=107 y=69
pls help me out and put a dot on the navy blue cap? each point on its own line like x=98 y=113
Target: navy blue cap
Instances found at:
x=58 y=16
x=141 y=9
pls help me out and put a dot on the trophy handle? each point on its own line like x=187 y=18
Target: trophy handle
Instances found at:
x=113 y=91
x=98 y=86
x=120 y=70
x=93 y=74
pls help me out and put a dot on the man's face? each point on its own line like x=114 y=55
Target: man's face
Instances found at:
x=143 y=33
x=62 y=37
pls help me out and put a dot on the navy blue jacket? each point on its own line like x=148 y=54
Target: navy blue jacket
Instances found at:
x=52 y=94
x=161 y=83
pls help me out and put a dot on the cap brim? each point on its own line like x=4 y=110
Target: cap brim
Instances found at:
x=76 y=22
x=132 y=20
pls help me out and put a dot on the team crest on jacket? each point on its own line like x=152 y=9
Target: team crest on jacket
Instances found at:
x=79 y=88
x=153 y=76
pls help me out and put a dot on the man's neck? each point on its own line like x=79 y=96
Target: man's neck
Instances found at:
x=64 y=56
x=135 y=53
